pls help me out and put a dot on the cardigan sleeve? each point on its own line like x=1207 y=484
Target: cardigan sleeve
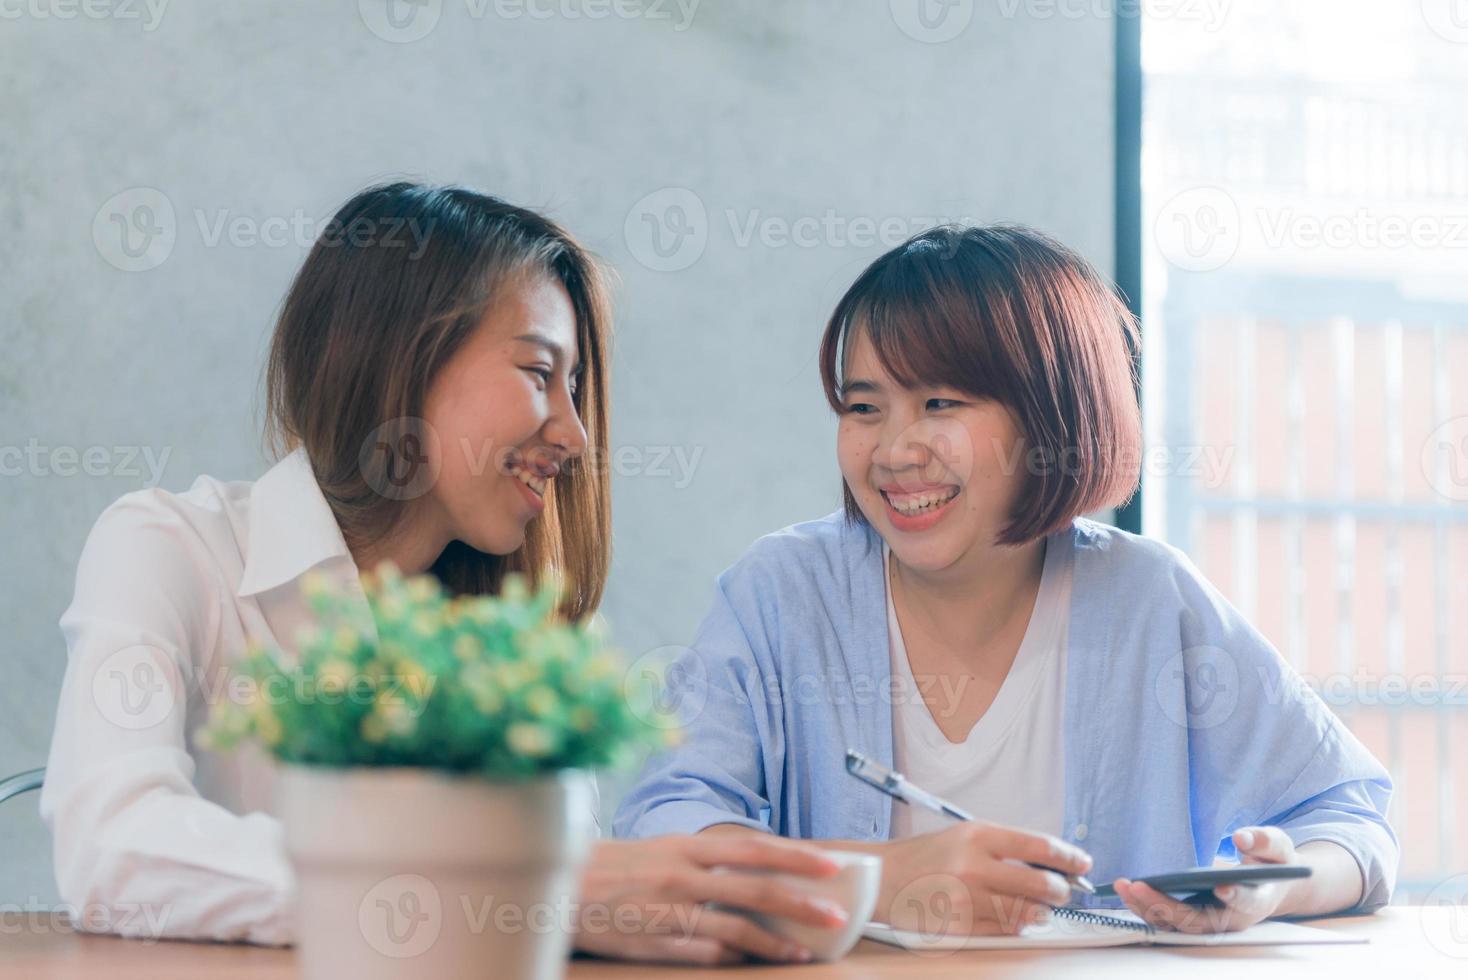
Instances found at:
x=716 y=774
x=1272 y=752
x=1350 y=813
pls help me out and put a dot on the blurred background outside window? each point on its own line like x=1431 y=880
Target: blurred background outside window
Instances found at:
x=1305 y=217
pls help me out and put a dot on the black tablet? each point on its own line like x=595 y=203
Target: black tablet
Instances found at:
x=1196 y=885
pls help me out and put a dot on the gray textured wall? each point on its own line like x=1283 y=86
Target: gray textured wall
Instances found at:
x=252 y=122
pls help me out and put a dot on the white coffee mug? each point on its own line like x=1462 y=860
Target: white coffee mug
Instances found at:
x=854 y=889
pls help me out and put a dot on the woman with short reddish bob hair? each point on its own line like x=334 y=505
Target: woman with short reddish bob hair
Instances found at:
x=1084 y=692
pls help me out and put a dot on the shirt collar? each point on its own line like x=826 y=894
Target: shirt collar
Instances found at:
x=292 y=527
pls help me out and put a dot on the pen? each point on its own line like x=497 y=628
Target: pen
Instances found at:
x=896 y=785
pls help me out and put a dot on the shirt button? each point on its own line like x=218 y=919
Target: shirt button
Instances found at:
x=1080 y=832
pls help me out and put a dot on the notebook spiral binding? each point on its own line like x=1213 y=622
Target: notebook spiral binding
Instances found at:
x=1091 y=918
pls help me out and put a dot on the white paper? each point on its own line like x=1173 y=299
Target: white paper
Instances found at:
x=1063 y=933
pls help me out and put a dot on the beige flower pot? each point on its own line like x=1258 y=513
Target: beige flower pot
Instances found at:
x=408 y=873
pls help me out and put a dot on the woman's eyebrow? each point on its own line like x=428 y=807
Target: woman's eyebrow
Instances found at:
x=540 y=341
x=860 y=385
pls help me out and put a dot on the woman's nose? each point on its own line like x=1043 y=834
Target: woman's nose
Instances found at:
x=901 y=448
x=566 y=433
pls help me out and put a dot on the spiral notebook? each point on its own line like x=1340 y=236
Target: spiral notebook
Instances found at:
x=1086 y=929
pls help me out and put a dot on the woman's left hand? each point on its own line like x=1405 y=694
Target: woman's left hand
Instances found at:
x=1243 y=905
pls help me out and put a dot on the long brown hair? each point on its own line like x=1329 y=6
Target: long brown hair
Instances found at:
x=1006 y=313
x=396 y=283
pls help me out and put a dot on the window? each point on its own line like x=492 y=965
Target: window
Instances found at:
x=1305 y=303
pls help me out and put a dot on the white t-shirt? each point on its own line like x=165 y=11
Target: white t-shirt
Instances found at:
x=1011 y=767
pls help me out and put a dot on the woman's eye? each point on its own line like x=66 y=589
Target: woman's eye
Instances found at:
x=543 y=374
x=938 y=404
x=861 y=408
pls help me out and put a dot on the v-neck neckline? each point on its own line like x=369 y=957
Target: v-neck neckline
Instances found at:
x=1031 y=661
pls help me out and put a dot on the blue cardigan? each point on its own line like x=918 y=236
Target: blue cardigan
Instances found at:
x=1182 y=723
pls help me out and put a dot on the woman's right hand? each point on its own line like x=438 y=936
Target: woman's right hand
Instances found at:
x=646 y=899
x=971 y=879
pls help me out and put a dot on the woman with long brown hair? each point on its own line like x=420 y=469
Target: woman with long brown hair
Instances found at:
x=436 y=382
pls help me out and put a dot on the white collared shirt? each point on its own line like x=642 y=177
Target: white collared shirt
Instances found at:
x=153 y=834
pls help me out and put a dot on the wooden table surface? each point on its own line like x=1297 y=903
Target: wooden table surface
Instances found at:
x=1406 y=943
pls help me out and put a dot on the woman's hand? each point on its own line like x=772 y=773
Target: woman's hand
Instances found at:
x=1243 y=905
x=645 y=900
x=971 y=879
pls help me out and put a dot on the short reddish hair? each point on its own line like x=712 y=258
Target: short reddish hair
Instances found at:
x=1003 y=312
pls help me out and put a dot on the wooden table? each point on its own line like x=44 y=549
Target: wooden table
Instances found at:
x=1406 y=943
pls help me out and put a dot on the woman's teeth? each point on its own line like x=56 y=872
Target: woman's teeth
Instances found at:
x=535 y=483
x=912 y=504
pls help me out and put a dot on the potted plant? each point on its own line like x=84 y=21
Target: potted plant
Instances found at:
x=433 y=777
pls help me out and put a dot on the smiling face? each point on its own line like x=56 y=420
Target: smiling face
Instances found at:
x=505 y=418
x=935 y=471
